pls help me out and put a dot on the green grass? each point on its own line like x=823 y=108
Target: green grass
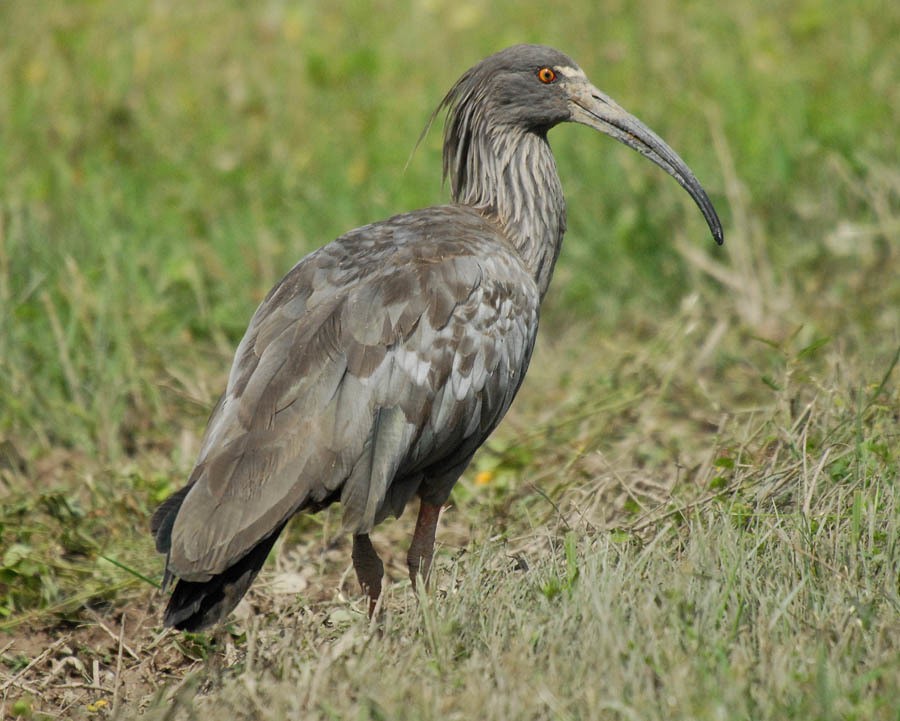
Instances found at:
x=700 y=474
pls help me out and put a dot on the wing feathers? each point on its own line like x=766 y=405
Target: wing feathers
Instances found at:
x=365 y=489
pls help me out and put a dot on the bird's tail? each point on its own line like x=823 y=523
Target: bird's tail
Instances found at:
x=195 y=605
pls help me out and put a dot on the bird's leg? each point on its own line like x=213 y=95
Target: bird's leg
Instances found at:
x=369 y=569
x=421 y=550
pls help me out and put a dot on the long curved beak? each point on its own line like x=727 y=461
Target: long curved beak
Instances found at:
x=597 y=110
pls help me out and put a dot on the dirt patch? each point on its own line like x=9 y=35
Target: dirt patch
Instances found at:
x=87 y=670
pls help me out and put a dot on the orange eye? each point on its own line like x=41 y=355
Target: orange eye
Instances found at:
x=546 y=75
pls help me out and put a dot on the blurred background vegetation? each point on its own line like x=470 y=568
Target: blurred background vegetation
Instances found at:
x=163 y=163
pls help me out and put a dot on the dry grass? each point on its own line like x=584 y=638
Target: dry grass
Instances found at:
x=708 y=621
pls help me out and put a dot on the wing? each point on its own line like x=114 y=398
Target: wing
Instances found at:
x=386 y=355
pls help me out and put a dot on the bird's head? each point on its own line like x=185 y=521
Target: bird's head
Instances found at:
x=532 y=88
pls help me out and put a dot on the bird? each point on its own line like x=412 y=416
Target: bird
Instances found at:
x=372 y=372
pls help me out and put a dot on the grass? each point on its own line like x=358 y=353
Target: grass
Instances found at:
x=691 y=511
x=709 y=632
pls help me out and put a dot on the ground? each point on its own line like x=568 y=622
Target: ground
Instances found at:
x=691 y=511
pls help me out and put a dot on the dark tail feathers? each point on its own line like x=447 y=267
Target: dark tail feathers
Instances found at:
x=197 y=605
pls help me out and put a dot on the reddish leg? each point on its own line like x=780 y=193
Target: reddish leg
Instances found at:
x=421 y=550
x=369 y=569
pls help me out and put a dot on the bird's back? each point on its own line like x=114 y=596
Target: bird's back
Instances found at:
x=372 y=371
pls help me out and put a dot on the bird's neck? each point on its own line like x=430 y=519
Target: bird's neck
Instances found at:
x=513 y=178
